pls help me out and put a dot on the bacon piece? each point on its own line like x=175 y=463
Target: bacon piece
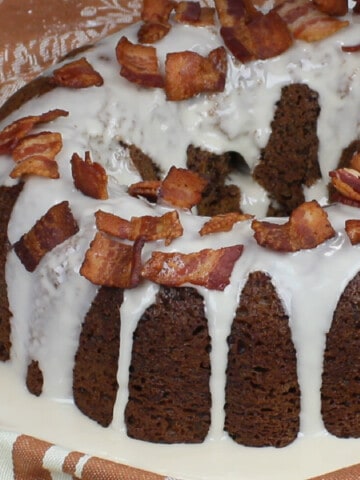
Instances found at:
x=250 y=34
x=208 y=268
x=188 y=73
x=332 y=7
x=308 y=226
x=111 y=263
x=355 y=161
x=56 y=226
x=182 y=188
x=77 y=74
x=193 y=14
x=157 y=11
x=38 y=165
x=338 y=197
x=148 y=189
x=347 y=182
x=152 y=32
x=150 y=228
x=89 y=177
x=46 y=144
x=223 y=222
x=351 y=48
x=352 y=228
x=306 y=22
x=139 y=64
x=13 y=133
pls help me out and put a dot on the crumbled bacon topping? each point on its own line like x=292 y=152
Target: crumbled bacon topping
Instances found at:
x=36 y=165
x=182 y=188
x=150 y=228
x=148 y=189
x=306 y=22
x=193 y=14
x=347 y=182
x=139 y=64
x=351 y=48
x=89 y=177
x=111 y=263
x=157 y=11
x=13 y=133
x=77 y=74
x=332 y=7
x=223 y=222
x=152 y=32
x=308 y=226
x=188 y=73
x=208 y=268
x=56 y=226
x=352 y=228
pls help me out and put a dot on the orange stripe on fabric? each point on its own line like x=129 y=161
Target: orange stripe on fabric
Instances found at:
x=28 y=454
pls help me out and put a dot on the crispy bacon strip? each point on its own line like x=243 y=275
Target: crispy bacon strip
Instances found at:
x=332 y=7
x=182 y=188
x=351 y=48
x=38 y=165
x=193 y=14
x=111 y=263
x=89 y=177
x=139 y=64
x=352 y=228
x=56 y=226
x=157 y=11
x=208 y=268
x=306 y=22
x=148 y=189
x=46 y=144
x=223 y=222
x=150 y=228
x=13 y=133
x=77 y=74
x=152 y=32
x=307 y=227
x=250 y=34
x=187 y=73
x=347 y=182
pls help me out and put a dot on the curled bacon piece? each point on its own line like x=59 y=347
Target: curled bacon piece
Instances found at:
x=77 y=74
x=188 y=73
x=35 y=155
x=148 y=189
x=182 y=188
x=306 y=22
x=152 y=32
x=193 y=14
x=223 y=222
x=208 y=268
x=150 y=228
x=332 y=7
x=89 y=177
x=351 y=48
x=13 y=133
x=250 y=34
x=347 y=182
x=157 y=11
x=352 y=228
x=56 y=226
x=139 y=64
x=307 y=227
x=111 y=263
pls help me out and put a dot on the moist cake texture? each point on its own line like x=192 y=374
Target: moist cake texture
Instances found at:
x=174 y=379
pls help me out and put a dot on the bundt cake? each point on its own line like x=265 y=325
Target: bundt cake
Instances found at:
x=179 y=231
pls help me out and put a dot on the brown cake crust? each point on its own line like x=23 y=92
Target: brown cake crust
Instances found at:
x=218 y=197
x=290 y=159
x=169 y=396
x=262 y=392
x=96 y=362
x=340 y=392
x=8 y=197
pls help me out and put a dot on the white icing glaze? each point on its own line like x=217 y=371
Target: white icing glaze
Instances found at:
x=48 y=327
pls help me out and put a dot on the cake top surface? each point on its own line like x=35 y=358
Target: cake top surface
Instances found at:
x=119 y=111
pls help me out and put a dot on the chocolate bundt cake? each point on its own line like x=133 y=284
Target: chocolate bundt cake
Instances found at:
x=179 y=228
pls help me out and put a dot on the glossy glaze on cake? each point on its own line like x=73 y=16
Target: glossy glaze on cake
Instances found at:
x=99 y=119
